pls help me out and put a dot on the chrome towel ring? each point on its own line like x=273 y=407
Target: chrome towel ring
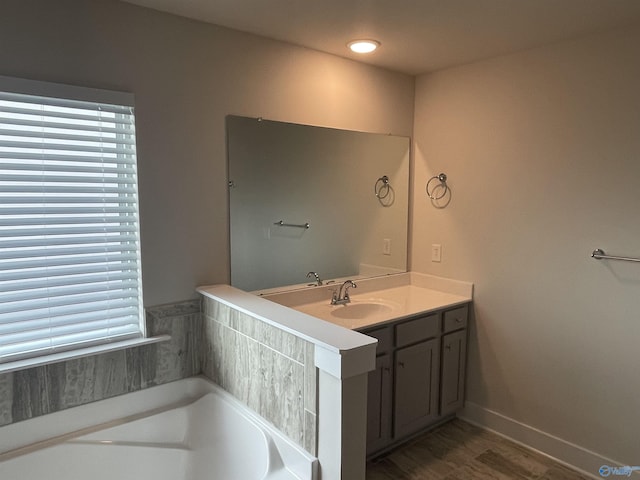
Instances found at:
x=442 y=178
x=382 y=184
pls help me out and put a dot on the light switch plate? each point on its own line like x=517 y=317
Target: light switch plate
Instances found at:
x=386 y=246
x=436 y=252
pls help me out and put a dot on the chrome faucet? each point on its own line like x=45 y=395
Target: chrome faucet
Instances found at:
x=317 y=277
x=341 y=296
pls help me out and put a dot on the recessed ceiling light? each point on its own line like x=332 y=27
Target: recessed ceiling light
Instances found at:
x=363 y=46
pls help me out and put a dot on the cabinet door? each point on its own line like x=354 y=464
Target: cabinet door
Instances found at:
x=379 y=405
x=454 y=348
x=416 y=388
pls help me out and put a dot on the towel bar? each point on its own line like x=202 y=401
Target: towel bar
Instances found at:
x=599 y=254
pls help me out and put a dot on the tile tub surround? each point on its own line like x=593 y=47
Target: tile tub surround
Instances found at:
x=306 y=376
x=269 y=370
x=49 y=388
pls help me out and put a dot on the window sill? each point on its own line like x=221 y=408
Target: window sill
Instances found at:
x=80 y=353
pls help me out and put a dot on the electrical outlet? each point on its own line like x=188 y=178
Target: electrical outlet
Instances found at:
x=386 y=246
x=436 y=252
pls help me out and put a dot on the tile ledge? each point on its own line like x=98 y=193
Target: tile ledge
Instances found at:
x=175 y=309
x=79 y=353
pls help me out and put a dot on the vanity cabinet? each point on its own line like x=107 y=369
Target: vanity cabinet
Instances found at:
x=416 y=387
x=419 y=375
x=379 y=395
x=454 y=348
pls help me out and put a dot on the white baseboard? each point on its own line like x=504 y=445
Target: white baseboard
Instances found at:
x=570 y=454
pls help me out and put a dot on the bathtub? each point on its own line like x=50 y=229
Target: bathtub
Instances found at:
x=186 y=430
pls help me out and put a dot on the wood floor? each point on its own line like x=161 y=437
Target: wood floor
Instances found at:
x=461 y=451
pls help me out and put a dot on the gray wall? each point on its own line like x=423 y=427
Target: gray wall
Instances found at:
x=186 y=77
x=542 y=149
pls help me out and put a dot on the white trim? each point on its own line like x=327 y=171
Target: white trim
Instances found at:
x=348 y=363
x=574 y=456
x=79 y=353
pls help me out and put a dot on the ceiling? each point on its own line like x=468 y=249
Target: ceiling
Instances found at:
x=417 y=36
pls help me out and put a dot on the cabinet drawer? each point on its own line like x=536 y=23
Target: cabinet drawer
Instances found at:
x=418 y=329
x=385 y=338
x=456 y=318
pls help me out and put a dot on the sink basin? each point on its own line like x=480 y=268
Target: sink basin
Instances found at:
x=358 y=311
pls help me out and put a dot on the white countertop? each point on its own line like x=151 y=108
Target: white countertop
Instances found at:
x=386 y=305
x=379 y=300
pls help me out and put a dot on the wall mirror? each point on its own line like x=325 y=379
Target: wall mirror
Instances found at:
x=305 y=198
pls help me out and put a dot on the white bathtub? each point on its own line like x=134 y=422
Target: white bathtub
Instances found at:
x=185 y=430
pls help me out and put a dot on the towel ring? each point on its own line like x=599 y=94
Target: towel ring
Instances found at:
x=382 y=184
x=442 y=178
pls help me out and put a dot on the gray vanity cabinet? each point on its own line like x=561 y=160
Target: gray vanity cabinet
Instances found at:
x=454 y=348
x=454 y=355
x=419 y=375
x=380 y=389
x=416 y=387
x=380 y=392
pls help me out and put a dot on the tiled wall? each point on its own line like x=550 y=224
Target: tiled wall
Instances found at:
x=36 y=391
x=268 y=369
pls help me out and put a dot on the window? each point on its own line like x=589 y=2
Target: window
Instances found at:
x=69 y=233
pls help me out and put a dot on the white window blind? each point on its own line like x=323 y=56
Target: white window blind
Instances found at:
x=69 y=234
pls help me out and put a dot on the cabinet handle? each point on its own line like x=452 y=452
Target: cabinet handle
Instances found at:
x=386 y=370
x=401 y=364
x=447 y=347
x=458 y=320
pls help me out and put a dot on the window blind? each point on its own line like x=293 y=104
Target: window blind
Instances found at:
x=69 y=233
